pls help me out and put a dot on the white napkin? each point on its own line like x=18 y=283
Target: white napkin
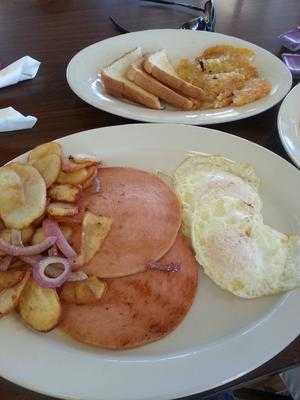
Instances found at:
x=20 y=70
x=12 y=120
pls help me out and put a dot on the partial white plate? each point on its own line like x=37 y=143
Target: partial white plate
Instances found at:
x=222 y=337
x=83 y=69
x=289 y=124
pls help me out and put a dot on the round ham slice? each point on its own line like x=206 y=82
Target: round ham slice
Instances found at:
x=137 y=309
x=146 y=218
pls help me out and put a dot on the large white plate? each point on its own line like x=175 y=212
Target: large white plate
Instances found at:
x=82 y=74
x=222 y=337
x=289 y=124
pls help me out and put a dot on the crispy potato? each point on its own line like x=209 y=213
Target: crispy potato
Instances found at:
x=44 y=150
x=66 y=192
x=95 y=228
x=253 y=90
x=93 y=171
x=10 y=278
x=70 y=164
x=221 y=50
x=74 y=220
x=48 y=166
x=5 y=235
x=21 y=213
x=84 y=159
x=88 y=291
x=67 y=231
x=96 y=286
x=19 y=265
x=39 y=236
x=59 y=209
x=39 y=307
x=11 y=190
x=67 y=293
x=9 y=297
x=27 y=234
x=75 y=177
x=37 y=222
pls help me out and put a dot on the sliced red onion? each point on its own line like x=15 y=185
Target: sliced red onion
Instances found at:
x=12 y=250
x=172 y=267
x=39 y=272
x=5 y=263
x=51 y=228
x=31 y=260
x=16 y=237
x=77 y=276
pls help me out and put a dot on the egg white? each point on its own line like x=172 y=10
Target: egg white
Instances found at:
x=242 y=254
x=202 y=177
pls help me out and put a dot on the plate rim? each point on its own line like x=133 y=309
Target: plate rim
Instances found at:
x=181 y=119
x=189 y=357
x=280 y=128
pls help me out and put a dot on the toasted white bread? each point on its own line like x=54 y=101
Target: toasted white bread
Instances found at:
x=159 y=66
x=136 y=74
x=115 y=81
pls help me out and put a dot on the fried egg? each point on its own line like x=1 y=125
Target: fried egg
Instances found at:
x=202 y=177
x=222 y=215
x=240 y=253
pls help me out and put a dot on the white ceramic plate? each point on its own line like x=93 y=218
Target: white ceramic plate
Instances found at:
x=289 y=124
x=82 y=74
x=222 y=337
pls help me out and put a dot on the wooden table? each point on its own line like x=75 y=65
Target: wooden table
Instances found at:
x=52 y=31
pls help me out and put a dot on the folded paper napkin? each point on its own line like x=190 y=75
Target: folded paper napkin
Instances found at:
x=12 y=120
x=20 y=70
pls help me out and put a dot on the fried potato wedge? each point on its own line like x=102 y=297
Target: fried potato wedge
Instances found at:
x=74 y=163
x=10 y=278
x=67 y=231
x=59 y=209
x=84 y=159
x=44 y=150
x=48 y=166
x=20 y=213
x=39 y=236
x=64 y=192
x=95 y=228
x=93 y=173
x=11 y=190
x=88 y=291
x=39 y=307
x=19 y=265
x=75 y=177
x=67 y=293
x=96 y=286
x=27 y=234
x=9 y=297
x=4 y=235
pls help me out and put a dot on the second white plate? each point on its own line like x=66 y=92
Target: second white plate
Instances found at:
x=289 y=124
x=83 y=69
